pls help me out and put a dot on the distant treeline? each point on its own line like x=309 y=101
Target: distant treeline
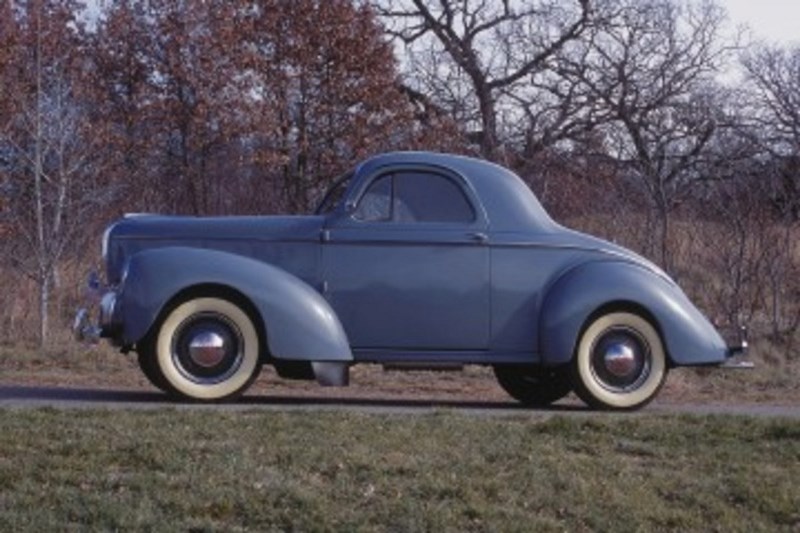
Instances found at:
x=620 y=114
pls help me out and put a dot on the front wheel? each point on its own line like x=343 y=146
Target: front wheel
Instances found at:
x=207 y=349
x=148 y=366
x=620 y=362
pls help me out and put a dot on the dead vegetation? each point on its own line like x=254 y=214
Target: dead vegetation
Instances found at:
x=150 y=111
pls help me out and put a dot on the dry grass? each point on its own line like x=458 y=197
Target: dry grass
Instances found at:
x=733 y=277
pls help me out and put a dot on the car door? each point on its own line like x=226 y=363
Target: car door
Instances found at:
x=407 y=267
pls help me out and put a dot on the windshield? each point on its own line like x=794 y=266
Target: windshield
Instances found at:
x=334 y=195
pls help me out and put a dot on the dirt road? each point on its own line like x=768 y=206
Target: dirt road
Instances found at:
x=16 y=397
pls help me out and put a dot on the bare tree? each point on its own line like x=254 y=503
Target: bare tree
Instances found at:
x=471 y=53
x=650 y=71
x=52 y=177
x=775 y=76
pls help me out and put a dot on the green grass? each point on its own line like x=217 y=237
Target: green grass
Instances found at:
x=308 y=471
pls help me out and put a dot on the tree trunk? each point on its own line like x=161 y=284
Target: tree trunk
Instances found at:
x=44 y=309
x=38 y=191
x=663 y=237
x=488 y=121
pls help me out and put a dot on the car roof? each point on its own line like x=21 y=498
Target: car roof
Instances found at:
x=509 y=203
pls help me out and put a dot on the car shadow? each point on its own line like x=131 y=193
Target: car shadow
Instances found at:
x=419 y=403
x=26 y=394
x=67 y=396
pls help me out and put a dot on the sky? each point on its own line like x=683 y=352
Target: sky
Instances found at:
x=776 y=21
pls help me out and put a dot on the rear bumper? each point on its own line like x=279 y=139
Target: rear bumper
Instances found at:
x=735 y=353
x=742 y=347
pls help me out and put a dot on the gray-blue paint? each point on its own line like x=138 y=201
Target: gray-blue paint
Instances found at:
x=299 y=323
x=512 y=285
x=582 y=290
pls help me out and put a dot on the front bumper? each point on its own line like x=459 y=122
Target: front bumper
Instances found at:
x=99 y=318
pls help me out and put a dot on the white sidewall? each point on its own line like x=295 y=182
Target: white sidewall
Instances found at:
x=236 y=381
x=658 y=361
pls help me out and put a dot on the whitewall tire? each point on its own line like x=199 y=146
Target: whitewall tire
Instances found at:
x=620 y=362
x=207 y=349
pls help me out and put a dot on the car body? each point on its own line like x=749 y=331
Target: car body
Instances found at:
x=412 y=258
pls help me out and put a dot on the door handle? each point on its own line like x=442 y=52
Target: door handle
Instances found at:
x=479 y=237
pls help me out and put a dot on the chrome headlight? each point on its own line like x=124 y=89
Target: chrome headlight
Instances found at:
x=108 y=307
x=125 y=270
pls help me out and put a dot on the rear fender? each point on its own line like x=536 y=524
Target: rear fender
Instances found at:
x=589 y=288
x=299 y=323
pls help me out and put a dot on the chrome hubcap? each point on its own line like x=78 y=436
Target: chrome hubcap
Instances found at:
x=621 y=359
x=207 y=349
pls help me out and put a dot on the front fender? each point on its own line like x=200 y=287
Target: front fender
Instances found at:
x=689 y=337
x=299 y=323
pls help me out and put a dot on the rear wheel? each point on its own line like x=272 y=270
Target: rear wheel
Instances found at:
x=205 y=349
x=620 y=362
x=534 y=385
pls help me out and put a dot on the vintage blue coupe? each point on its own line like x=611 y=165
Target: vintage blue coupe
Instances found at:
x=411 y=259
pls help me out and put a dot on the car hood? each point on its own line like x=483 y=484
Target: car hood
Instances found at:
x=217 y=228
x=134 y=233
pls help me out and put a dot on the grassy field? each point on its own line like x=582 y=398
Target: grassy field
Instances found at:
x=310 y=471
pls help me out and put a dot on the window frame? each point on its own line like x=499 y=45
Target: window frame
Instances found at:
x=462 y=186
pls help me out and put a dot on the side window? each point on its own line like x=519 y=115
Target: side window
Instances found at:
x=428 y=197
x=376 y=204
x=414 y=197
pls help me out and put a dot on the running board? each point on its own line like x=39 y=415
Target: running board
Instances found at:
x=414 y=366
